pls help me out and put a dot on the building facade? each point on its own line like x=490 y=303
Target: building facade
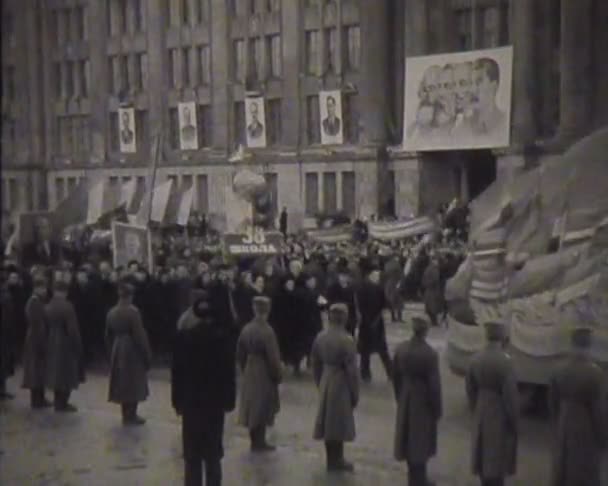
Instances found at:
x=68 y=66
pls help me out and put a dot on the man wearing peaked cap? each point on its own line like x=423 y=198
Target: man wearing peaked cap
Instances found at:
x=491 y=387
x=577 y=393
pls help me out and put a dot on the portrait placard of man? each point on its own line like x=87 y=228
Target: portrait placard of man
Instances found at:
x=256 y=131
x=331 y=117
x=130 y=243
x=126 y=129
x=188 y=132
x=488 y=119
x=39 y=243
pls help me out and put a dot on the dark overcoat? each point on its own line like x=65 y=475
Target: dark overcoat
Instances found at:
x=336 y=294
x=577 y=401
x=203 y=385
x=492 y=391
x=291 y=323
x=433 y=295
x=64 y=346
x=334 y=363
x=7 y=334
x=417 y=387
x=130 y=355
x=259 y=359
x=34 y=352
x=372 y=332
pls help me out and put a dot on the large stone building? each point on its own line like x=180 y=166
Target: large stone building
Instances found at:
x=68 y=65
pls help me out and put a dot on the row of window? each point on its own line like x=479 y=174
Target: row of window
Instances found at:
x=72 y=79
x=241 y=8
x=126 y=16
x=258 y=58
x=189 y=67
x=321 y=192
x=8 y=82
x=69 y=25
x=10 y=193
x=128 y=73
x=324 y=54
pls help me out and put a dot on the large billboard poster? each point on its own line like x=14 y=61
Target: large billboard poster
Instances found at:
x=458 y=101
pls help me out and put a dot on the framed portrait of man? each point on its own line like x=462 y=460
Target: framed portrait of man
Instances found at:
x=255 y=119
x=131 y=242
x=188 y=132
x=332 y=125
x=126 y=130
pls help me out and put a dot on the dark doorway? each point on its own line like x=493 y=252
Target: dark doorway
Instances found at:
x=481 y=171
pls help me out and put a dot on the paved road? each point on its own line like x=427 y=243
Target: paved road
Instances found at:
x=91 y=448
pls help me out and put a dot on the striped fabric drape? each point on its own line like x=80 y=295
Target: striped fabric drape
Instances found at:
x=401 y=229
x=489 y=282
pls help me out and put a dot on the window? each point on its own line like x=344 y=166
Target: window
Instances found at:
x=69 y=79
x=463 y=28
x=141 y=71
x=353 y=47
x=273 y=122
x=238 y=56
x=202 y=194
x=65 y=13
x=122 y=16
x=274 y=55
x=114 y=129
x=313 y=130
x=80 y=22
x=172 y=9
x=205 y=126
x=312 y=52
x=239 y=123
x=57 y=79
x=138 y=16
x=186 y=66
x=185 y=12
x=490 y=36
x=186 y=182
x=74 y=135
x=174 y=129
x=83 y=78
x=9 y=83
x=202 y=12
x=203 y=65
x=141 y=128
x=124 y=73
x=72 y=182
x=256 y=58
x=8 y=135
x=13 y=194
x=351 y=118
x=8 y=27
x=330 y=205
x=312 y=194
x=272 y=181
x=348 y=193
x=274 y=5
x=173 y=64
x=113 y=81
x=60 y=194
x=331 y=49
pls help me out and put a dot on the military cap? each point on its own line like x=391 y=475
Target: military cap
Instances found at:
x=495 y=331
x=126 y=287
x=39 y=281
x=419 y=325
x=581 y=337
x=60 y=286
x=338 y=312
x=261 y=302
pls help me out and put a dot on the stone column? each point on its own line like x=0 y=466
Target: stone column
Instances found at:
x=575 y=64
x=221 y=51
x=523 y=23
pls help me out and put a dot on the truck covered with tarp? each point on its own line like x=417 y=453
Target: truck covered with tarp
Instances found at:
x=538 y=262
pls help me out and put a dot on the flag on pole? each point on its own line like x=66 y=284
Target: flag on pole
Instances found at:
x=127 y=193
x=95 y=203
x=183 y=213
x=160 y=199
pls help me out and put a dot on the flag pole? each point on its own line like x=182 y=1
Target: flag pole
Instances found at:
x=157 y=146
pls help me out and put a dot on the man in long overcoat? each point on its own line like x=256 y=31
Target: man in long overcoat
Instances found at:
x=491 y=387
x=433 y=295
x=130 y=355
x=343 y=292
x=258 y=357
x=8 y=340
x=35 y=348
x=372 y=332
x=64 y=348
x=419 y=406
x=334 y=363
x=577 y=401
x=203 y=390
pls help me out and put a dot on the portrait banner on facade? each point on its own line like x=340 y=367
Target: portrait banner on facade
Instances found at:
x=131 y=243
x=332 y=125
x=188 y=132
x=458 y=101
x=126 y=130
x=255 y=120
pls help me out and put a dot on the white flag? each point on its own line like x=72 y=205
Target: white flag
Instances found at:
x=127 y=193
x=95 y=203
x=185 y=205
x=160 y=198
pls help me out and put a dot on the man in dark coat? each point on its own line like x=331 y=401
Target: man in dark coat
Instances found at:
x=492 y=391
x=7 y=340
x=372 y=333
x=34 y=353
x=334 y=363
x=343 y=292
x=64 y=348
x=419 y=406
x=433 y=295
x=130 y=355
x=203 y=390
x=19 y=292
x=577 y=394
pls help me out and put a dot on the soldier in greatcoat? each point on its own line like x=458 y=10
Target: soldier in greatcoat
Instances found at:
x=259 y=360
x=7 y=340
x=64 y=348
x=577 y=396
x=203 y=390
x=334 y=363
x=130 y=355
x=491 y=387
x=417 y=387
x=35 y=348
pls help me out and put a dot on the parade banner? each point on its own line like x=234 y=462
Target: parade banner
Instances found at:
x=126 y=130
x=336 y=234
x=188 y=132
x=255 y=119
x=401 y=229
x=131 y=243
x=458 y=101
x=257 y=242
x=332 y=126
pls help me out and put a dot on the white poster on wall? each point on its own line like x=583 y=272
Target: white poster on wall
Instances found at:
x=188 y=132
x=458 y=101
x=330 y=109
x=126 y=130
x=255 y=120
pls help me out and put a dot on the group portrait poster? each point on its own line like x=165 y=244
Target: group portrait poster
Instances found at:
x=332 y=125
x=131 y=243
x=458 y=101
x=255 y=121
x=188 y=131
x=126 y=130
